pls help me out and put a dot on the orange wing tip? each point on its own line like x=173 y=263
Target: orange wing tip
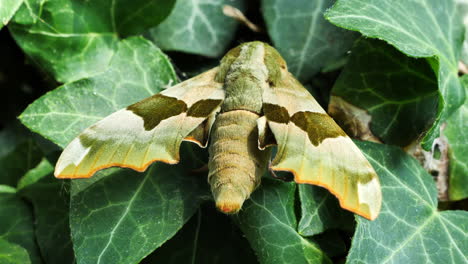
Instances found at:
x=366 y=214
x=121 y=165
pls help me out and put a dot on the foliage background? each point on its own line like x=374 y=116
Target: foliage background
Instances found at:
x=387 y=71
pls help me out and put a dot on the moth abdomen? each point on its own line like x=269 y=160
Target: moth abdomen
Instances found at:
x=236 y=164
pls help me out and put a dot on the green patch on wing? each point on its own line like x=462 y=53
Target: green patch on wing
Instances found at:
x=276 y=113
x=318 y=126
x=156 y=108
x=203 y=108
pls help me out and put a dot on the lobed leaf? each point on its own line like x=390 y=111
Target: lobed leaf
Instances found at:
x=321 y=211
x=7 y=10
x=462 y=7
x=269 y=223
x=198 y=27
x=419 y=28
x=409 y=228
x=209 y=237
x=18 y=154
x=125 y=216
x=398 y=92
x=303 y=37
x=16 y=225
x=74 y=40
x=137 y=70
x=456 y=133
x=51 y=202
x=12 y=253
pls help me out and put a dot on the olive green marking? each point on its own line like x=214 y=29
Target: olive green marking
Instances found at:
x=276 y=113
x=203 y=108
x=318 y=126
x=274 y=63
x=156 y=108
x=226 y=62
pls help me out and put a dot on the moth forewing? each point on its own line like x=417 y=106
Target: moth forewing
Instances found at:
x=317 y=151
x=147 y=131
x=249 y=103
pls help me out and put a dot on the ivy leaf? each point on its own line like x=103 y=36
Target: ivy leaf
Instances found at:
x=108 y=211
x=269 y=223
x=12 y=253
x=7 y=10
x=194 y=242
x=16 y=224
x=462 y=7
x=62 y=114
x=51 y=204
x=43 y=169
x=456 y=133
x=134 y=17
x=304 y=38
x=198 y=27
x=18 y=153
x=74 y=40
x=320 y=211
x=125 y=216
x=409 y=228
x=399 y=92
x=422 y=28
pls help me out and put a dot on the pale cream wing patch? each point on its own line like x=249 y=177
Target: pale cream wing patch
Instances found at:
x=150 y=130
x=315 y=149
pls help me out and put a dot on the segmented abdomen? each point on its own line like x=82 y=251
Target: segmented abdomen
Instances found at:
x=236 y=165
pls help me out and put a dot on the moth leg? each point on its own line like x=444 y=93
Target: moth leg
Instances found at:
x=283 y=175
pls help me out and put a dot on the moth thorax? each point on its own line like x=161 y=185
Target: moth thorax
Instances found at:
x=236 y=164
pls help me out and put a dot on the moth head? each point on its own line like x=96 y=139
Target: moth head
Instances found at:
x=273 y=61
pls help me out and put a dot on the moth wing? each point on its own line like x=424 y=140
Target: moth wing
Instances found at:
x=147 y=131
x=316 y=150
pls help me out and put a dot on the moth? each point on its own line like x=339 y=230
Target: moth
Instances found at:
x=244 y=106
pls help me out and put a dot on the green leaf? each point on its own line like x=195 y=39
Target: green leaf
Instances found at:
x=399 y=92
x=74 y=40
x=18 y=153
x=16 y=224
x=209 y=237
x=137 y=70
x=198 y=27
x=43 y=169
x=7 y=10
x=136 y=16
x=304 y=38
x=125 y=216
x=12 y=253
x=462 y=7
x=51 y=203
x=456 y=132
x=409 y=228
x=7 y=189
x=269 y=223
x=420 y=28
x=320 y=211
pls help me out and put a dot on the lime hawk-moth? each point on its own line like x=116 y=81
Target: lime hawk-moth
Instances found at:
x=244 y=106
